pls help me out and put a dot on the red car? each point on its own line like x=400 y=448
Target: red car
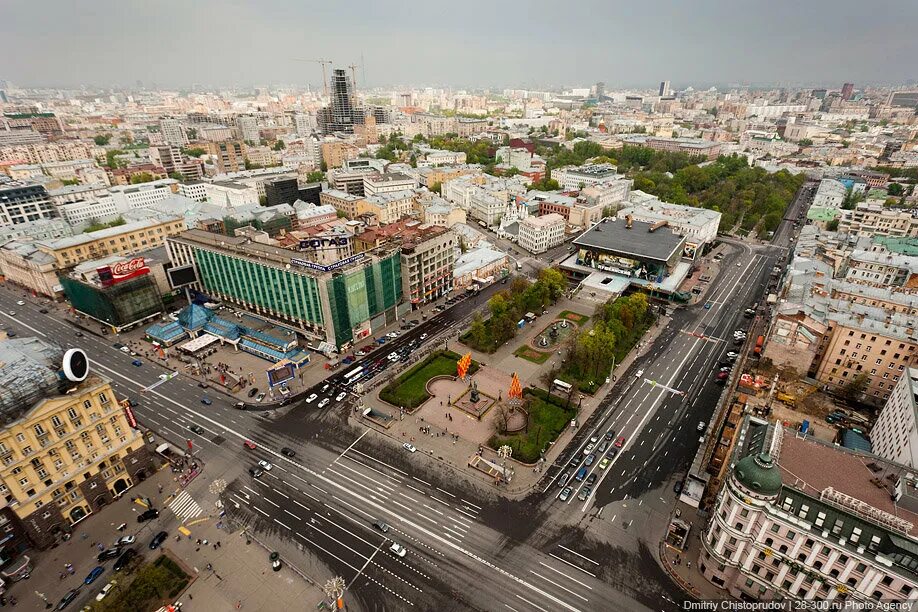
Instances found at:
x=723 y=375
x=249 y=445
x=620 y=442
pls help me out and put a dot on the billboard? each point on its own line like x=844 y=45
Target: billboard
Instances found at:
x=182 y=276
x=608 y=263
x=122 y=271
x=338 y=264
x=323 y=242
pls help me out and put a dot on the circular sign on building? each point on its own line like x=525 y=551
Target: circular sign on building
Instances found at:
x=75 y=365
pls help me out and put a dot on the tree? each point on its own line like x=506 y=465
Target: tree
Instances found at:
x=805 y=142
x=192 y=133
x=546 y=184
x=436 y=187
x=279 y=145
x=894 y=189
x=855 y=388
x=73 y=181
x=315 y=176
x=194 y=151
x=512 y=171
x=102 y=139
x=178 y=176
x=141 y=177
x=832 y=225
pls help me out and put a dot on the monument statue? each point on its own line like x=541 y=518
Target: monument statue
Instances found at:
x=474 y=397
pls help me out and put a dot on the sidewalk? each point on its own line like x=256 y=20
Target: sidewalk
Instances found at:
x=682 y=566
x=455 y=454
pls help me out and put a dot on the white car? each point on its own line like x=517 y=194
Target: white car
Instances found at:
x=105 y=590
x=397 y=549
x=265 y=465
x=125 y=349
x=423 y=337
x=20 y=303
x=341 y=396
x=12 y=313
x=409 y=447
x=324 y=402
x=163 y=376
x=739 y=265
x=312 y=397
x=639 y=373
x=392 y=334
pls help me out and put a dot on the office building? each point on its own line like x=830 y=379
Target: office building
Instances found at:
x=831 y=193
x=875 y=219
x=387 y=182
x=427 y=254
x=340 y=303
x=25 y=265
x=247 y=129
x=69 y=448
x=538 y=234
x=389 y=206
x=801 y=519
x=193 y=190
x=230 y=194
x=172 y=132
x=342 y=113
x=664 y=89
x=281 y=191
x=345 y=203
x=22 y=202
x=572 y=178
x=847 y=91
x=895 y=433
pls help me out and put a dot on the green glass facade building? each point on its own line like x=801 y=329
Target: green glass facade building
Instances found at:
x=340 y=303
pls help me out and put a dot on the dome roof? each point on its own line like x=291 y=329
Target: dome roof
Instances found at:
x=759 y=474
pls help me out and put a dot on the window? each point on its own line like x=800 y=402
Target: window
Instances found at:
x=744 y=513
x=887 y=580
x=775 y=528
x=23 y=481
x=20 y=437
x=56 y=421
x=39 y=430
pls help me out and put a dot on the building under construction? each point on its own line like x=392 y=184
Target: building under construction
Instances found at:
x=343 y=111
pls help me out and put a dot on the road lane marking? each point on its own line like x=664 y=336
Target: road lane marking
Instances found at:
x=344 y=452
x=292 y=514
x=560 y=586
x=545 y=565
x=578 y=554
x=530 y=603
x=262 y=511
x=282 y=525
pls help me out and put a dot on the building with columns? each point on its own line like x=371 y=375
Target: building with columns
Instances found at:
x=799 y=518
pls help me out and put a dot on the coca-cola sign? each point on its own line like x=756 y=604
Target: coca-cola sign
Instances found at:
x=122 y=271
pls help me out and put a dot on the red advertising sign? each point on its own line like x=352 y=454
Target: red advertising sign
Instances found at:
x=122 y=271
x=129 y=415
x=190 y=444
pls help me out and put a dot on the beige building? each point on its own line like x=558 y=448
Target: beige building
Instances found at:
x=335 y=153
x=870 y=219
x=428 y=253
x=67 y=453
x=389 y=207
x=23 y=264
x=538 y=234
x=229 y=155
x=345 y=203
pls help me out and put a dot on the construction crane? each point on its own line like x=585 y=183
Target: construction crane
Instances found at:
x=353 y=68
x=324 y=75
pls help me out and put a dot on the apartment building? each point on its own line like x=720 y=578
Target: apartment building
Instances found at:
x=830 y=194
x=427 y=255
x=800 y=519
x=894 y=435
x=172 y=132
x=875 y=219
x=882 y=269
x=693 y=146
x=538 y=234
x=387 y=182
x=45 y=152
x=345 y=203
x=24 y=264
x=390 y=206
x=23 y=202
x=572 y=178
x=228 y=155
x=69 y=448
x=336 y=152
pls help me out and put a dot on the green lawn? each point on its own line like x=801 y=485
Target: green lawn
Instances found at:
x=547 y=419
x=576 y=317
x=409 y=389
x=152 y=584
x=530 y=354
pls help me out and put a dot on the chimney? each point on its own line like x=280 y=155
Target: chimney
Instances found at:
x=627 y=221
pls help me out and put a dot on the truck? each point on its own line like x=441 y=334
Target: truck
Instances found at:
x=519 y=265
x=759 y=343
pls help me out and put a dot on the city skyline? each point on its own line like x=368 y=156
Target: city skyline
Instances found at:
x=516 y=45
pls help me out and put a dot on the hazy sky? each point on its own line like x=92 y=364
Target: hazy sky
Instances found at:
x=467 y=43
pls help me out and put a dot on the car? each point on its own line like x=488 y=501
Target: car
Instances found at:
x=589 y=460
x=202 y=385
x=392 y=356
x=749 y=313
x=197 y=429
x=723 y=375
x=125 y=540
x=136 y=363
x=133 y=403
x=43 y=310
x=69 y=597
x=12 y=313
x=620 y=442
x=565 y=493
x=564 y=478
x=602 y=448
x=20 y=303
x=392 y=334
x=158 y=539
x=720 y=381
x=588 y=449
x=249 y=445
x=732 y=355
x=409 y=447
x=341 y=396
x=78 y=334
x=381 y=525
x=164 y=377
x=276 y=564
x=575 y=461
x=701 y=426
x=397 y=549
x=147 y=515
x=288 y=452
x=124 y=559
x=124 y=349
x=253 y=391
x=255 y=472
x=677 y=488
x=592 y=479
x=604 y=463
x=739 y=265
x=424 y=337
x=324 y=402
x=639 y=373
x=725 y=369
x=707 y=305
x=106 y=590
x=265 y=465
x=611 y=452
x=585 y=493
x=312 y=397
x=609 y=435
x=105 y=555
x=259 y=397
x=93 y=575
x=207 y=401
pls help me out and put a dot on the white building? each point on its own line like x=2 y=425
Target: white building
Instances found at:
x=194 y=190
x=172 y=132
x=895 y=434
x=143 y=194
x=576 y=177
x=607 y=193
x=391 y=206
x=830 y=194
x=538 y=234
x=698 y=225
x=438 y=157
x=99 y=209
x=387 y=182
x=304 y=123
x=247 y=126
x=229 y=194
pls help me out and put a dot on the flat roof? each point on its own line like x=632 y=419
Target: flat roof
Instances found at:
x=612 y=235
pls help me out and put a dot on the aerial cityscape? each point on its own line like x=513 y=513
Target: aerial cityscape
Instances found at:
x=518 y=308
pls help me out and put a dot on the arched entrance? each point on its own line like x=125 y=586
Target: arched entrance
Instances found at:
x=77 y=514
x=100 y=501
x=121 y=486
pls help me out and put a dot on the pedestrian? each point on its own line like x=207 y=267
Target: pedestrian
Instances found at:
x=190 y=596
x=218 y=544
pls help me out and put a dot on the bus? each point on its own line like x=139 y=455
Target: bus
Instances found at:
x=353 y=375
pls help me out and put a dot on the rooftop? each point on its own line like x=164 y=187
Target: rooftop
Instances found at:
x=134 y=226
x=610 y=234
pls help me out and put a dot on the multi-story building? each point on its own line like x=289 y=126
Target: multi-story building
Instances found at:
x=875 y=219
x=24 y=264
x=247 y=128
x=118 y=240
x=438 y=211
x=693 y=146
x=193 y=190
x=439 y=157
x=172 y=160
x=800 y=519
x=23 y=203
x=41 y=153
x=486 y=207
x=135 y=172
x=467 y=127
x=342 y=113
x=230 y=194
x=610 y=193
x=48 y=124
x=68 y=446
x=427 y=256
x=388 y=182
x=389 y=206
x=830 y=194
x=309 y=214
x=573 y=178
x=894 y=435
x=538 y=234
x=172 y=132
x=882 y=269
x=345 y=203
x=283 y=190
x=228 y=155
x=336 y=152
x=340 y=303
x=698 y=225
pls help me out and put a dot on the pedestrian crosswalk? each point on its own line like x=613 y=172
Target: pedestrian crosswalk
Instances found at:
x=184 y=506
